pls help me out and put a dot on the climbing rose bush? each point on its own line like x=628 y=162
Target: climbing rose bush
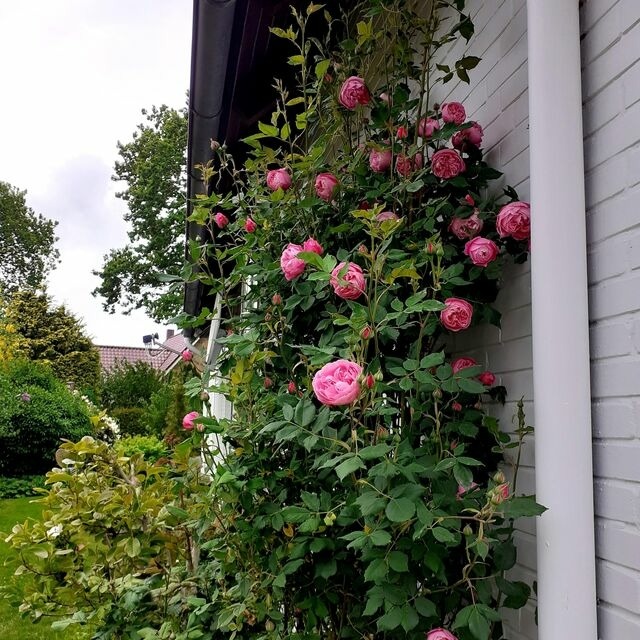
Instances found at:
x=355 y=491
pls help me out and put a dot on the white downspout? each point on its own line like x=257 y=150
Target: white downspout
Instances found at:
x=564 y=477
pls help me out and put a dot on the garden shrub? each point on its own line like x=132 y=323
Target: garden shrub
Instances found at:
x=131 y=420
x=359 y=495
x=20 y=487
x=130 y=385
x=37 y=412
x=149 y=447
x=111 y=532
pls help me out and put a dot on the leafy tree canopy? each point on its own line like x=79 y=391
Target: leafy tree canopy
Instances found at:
x=153 y=167
x=53 y=335
x=27 y=242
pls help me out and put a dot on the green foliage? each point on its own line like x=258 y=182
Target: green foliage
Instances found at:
x=386 y=517
x=36 y=412
x=153 y=167
x=27 y=243
x=149 y=447
x=111 y=531
x=52 y=335
x=19 y=487
x=130 y=385
x=131 y=420
x=13 y=625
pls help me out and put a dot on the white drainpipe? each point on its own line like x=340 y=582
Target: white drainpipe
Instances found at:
x=564 y=476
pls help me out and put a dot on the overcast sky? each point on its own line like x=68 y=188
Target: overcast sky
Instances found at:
x=75 y=75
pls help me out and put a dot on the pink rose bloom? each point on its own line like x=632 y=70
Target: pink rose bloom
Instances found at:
x=221 y=220
x=481 y=251
x=313 y=246
x=446 y=164
x=440 y=634
x=461 y=490
x=186 y=355
x=278 y=179
x=386 y=215
x=514 y=220
x=326 y=184
x=473 y=135
x=453 y=112
x=188 y=420
x=348 y=281
x=463 y=363
x=291 y=265
x=337 y=383
x=464 y=228
x=427 y=126
x=401 y=132
x=380 y=161
x=354 y=92
x=456 y=315
x=249 y=225
x=487 y=378
x=406 y=165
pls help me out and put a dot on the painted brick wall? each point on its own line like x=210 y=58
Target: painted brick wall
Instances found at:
x=611 y=97
x=497 y=98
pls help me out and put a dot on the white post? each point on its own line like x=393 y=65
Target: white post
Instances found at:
x=564 y=477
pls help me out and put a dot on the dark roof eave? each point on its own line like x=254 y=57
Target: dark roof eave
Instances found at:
x=213 y=22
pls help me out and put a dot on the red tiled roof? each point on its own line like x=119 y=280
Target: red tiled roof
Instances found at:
x=159 y=358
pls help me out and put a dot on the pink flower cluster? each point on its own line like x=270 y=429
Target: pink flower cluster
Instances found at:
x=487 y=378
x=290 y=264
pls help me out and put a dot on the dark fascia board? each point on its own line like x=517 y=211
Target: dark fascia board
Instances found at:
x=213 y=28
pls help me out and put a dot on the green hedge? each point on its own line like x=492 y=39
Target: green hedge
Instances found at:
x=19 y=487
x=36 y=413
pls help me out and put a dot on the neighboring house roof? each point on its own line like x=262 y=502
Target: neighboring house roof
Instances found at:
x=159 y=358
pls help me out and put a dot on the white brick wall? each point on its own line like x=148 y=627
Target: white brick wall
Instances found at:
x=611 y=96
x=497 y=98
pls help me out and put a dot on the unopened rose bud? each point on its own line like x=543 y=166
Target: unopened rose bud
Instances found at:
x=456 y=406
x=269 y=626
x=249 y=225
x=276 y=299
x=384 y=97
x=467 y=531
x=204 y=396
x=215 y=145
x=401 y=132
x=330 y=518
x=362 y=250
x=366 y=332
x=328 y=78
x=478 y=405
x=382 y=433
x=469 y=200
x=369 y=381
x=437 y=394
x=378 y=375
x=268 y=383
x=291 y=387
x=498 y=477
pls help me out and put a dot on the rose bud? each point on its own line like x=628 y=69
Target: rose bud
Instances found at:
x=456 y=406
x=499 y=477
x=291 y=387
x=186 y=355
x=221 y=220
x=249 y=225
x=276 y=299
x=469 y=200
x=366 y=332
x=369 y=381
x=268 y=383
x=401 y=132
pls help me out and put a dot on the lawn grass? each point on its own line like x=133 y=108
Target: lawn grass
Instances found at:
x=12 y=625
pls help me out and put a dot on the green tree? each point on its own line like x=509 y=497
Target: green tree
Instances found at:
x=27 y=242
x=153 y=166
x=53 y=335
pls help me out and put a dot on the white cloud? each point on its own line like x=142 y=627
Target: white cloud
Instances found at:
x=75 y=75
